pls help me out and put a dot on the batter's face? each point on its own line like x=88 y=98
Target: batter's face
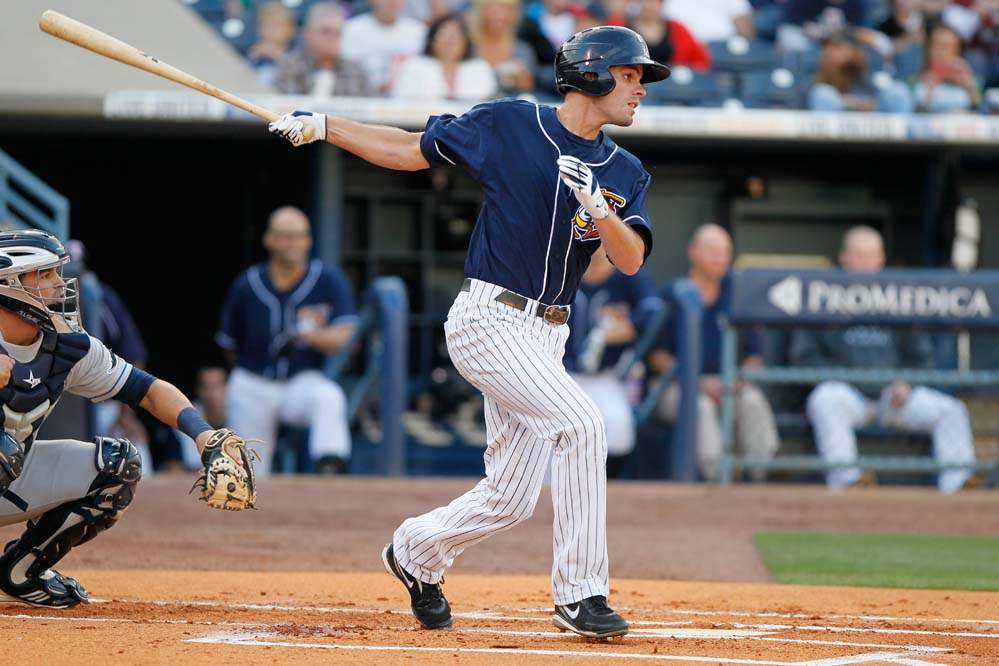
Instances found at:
x=619 y=105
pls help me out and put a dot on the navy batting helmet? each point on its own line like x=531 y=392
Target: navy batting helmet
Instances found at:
x=594 y=51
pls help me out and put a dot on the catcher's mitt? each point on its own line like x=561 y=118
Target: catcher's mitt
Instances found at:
x=226 y=482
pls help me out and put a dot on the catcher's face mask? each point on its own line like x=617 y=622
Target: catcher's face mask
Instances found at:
x=44 y=297
x=32 y=284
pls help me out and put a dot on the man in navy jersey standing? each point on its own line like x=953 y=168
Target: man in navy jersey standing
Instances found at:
x=556 y=188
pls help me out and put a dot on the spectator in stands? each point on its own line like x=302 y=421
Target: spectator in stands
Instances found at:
x=210 y=403
x=946 y=82
x=544 y=33
x=712 y=20
x=842 y=83
x=835 y=409
x=904 y=26
x=446 y=70
x=381 y=39
x=320 y=66
x=669 y=40
x=280 y=321
x=609 y=311
x=710 y=255
x=276 y=28
x=612 y=12
x=493 y=25
x=429 y=11
x=810 y=21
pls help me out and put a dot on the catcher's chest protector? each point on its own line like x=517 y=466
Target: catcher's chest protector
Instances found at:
x=35 y=387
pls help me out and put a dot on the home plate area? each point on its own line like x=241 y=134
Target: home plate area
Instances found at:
x=175 y=618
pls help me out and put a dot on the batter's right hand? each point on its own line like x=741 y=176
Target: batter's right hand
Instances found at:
x=300 y=127
x=6 y=368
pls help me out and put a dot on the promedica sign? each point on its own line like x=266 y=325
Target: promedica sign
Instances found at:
x=892 y=297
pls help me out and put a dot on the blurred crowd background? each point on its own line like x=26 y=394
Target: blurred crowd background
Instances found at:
x=826 y=55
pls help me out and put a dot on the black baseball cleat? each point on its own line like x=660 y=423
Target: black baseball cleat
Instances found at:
x=427 y=601
x=48 y=589
x=591 y=617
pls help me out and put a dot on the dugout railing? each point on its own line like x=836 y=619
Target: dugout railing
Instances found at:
x=928 y=300
x=382 y=331
x=26 y=201
x=662 y=452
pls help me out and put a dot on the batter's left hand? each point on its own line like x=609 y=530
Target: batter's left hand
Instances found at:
x=300 y=127
x=579 y=178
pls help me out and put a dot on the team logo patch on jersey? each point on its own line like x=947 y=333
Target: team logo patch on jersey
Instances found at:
x=582 y=225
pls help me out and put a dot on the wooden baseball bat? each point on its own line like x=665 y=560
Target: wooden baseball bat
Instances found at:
x=84 y=36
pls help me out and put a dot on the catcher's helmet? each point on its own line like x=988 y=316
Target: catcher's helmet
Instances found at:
x=594 y=51
x=21 y=252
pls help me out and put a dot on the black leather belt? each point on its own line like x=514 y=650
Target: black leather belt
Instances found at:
x=556 y=315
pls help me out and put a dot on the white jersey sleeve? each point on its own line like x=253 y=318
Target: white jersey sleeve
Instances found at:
x=99 y=375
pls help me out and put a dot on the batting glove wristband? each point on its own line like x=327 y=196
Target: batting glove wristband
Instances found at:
x=579 y=178
x=300 y=127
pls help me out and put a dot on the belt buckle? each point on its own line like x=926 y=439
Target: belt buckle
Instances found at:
x=556 y=315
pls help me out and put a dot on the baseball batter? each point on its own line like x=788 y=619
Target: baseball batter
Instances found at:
x=556 y=188
x=70 y=491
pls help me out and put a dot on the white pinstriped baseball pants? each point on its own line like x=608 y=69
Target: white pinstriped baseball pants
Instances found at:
x=533 y=407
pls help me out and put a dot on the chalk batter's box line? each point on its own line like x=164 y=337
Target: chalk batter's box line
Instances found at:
x=254 y=640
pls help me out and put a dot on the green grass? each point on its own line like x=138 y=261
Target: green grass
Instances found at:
x=882 y=560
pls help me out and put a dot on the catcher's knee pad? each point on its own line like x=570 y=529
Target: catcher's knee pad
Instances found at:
x=48 y=538
x=11 y=460
x=119 y=468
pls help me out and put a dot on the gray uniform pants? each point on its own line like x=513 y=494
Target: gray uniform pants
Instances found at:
x=755 y=427
x=55 y=472
x=835 y=409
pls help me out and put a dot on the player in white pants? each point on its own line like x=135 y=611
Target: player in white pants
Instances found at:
x=533 y=409
x=556 y=189
x=307 y=400
x=836 y=409
x=280 y=321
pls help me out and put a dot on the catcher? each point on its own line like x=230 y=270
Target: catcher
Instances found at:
x=68 y=491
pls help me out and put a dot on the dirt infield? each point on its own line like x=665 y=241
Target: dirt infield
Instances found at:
x=299 y=582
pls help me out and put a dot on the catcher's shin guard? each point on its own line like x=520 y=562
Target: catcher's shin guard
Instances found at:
x=24 y=566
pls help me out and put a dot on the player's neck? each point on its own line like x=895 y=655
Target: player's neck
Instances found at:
x=580 y=118
x=708 y=286
x=283 y=275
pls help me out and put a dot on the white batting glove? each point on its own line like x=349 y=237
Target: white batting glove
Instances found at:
x=579 y=178
x=300 y=127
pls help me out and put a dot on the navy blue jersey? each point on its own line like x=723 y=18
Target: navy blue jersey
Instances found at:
x=256 y=316
x=532 y=236
x=711 y=330
x=636 y=293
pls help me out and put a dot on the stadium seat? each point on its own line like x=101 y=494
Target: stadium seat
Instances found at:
x=775 y=89
x=689 y=88
x=240 y=32
x=739 y=54
x=210 y=10
x=803 y=64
